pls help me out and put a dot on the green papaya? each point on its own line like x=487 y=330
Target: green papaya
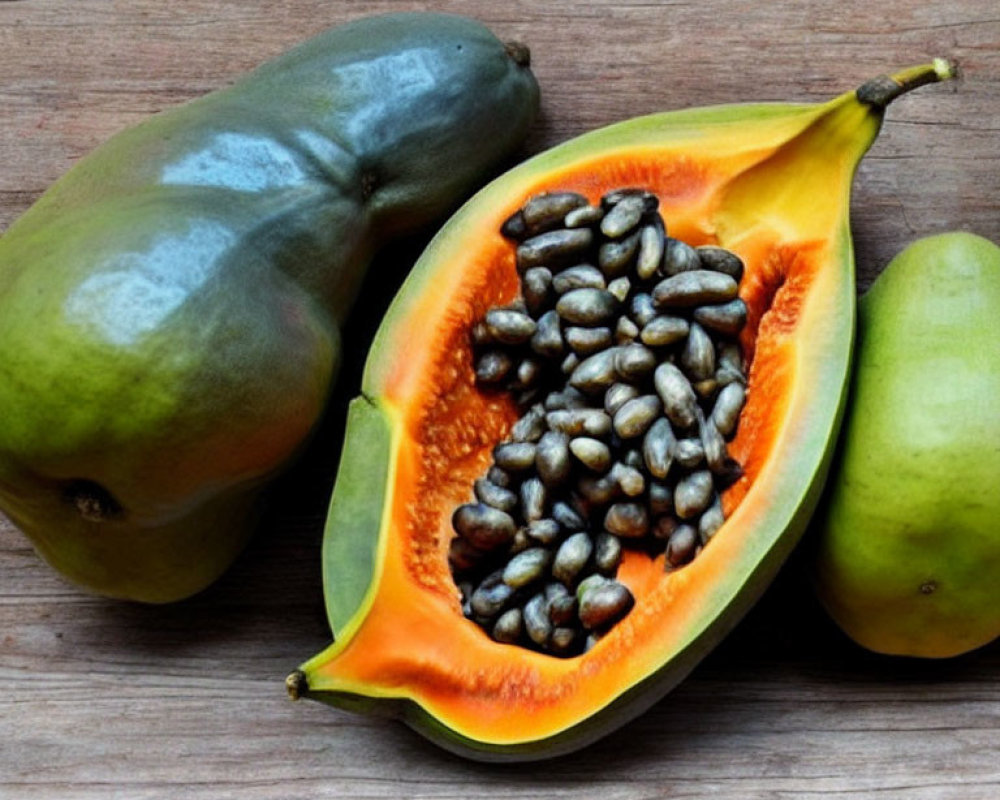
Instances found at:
x=170 y=310
x=908 y=542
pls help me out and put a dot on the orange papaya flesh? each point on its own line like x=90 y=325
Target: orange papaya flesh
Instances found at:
x=769 y=182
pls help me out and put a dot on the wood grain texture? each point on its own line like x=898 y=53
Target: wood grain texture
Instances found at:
x=104 y=700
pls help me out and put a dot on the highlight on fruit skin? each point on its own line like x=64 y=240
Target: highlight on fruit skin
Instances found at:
x=769 y=182
x=170 y=309
x=907 y=544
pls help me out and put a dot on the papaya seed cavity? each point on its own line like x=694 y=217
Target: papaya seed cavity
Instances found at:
x=598 y=445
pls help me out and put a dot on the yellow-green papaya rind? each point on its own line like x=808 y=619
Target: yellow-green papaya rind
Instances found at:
x=793 y=485
x=908 y=558
x=170 y=309
x=356 y=511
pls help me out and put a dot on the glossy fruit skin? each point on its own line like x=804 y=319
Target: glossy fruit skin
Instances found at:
x=909 y=539
x=770 y=182
x=170 y=310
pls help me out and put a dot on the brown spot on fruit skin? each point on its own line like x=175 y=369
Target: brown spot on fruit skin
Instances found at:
x=928 y=587
x=92 y=501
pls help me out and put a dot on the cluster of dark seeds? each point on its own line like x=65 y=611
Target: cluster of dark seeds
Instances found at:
x=623 y=359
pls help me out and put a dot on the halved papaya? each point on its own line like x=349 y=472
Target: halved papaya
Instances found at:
x=770 y=183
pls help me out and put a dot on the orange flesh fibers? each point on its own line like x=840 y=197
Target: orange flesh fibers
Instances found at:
x=414 y=641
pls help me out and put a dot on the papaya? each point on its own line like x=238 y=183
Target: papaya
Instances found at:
x=770 y=183
x=908 y=548
x=170 y=309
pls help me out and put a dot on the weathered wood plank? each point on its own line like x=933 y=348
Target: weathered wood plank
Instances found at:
x=101 y=700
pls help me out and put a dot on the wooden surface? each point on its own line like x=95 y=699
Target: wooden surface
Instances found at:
x=101 y=700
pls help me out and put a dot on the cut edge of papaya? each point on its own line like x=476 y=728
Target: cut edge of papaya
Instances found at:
x=423 y=431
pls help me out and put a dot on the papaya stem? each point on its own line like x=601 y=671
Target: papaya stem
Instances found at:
x=879 y=92
x=519 y=53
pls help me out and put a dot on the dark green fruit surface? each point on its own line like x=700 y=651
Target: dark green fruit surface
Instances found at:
x=170 y=309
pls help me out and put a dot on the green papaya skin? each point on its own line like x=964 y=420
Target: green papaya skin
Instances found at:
x=170 y=310
x=909 y=542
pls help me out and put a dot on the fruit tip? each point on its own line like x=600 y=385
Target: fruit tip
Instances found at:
x=519 y=53
x=297 y=684
x=945 y=69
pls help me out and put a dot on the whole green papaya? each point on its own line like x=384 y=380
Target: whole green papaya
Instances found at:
x=170 y=310
x=908 y=542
